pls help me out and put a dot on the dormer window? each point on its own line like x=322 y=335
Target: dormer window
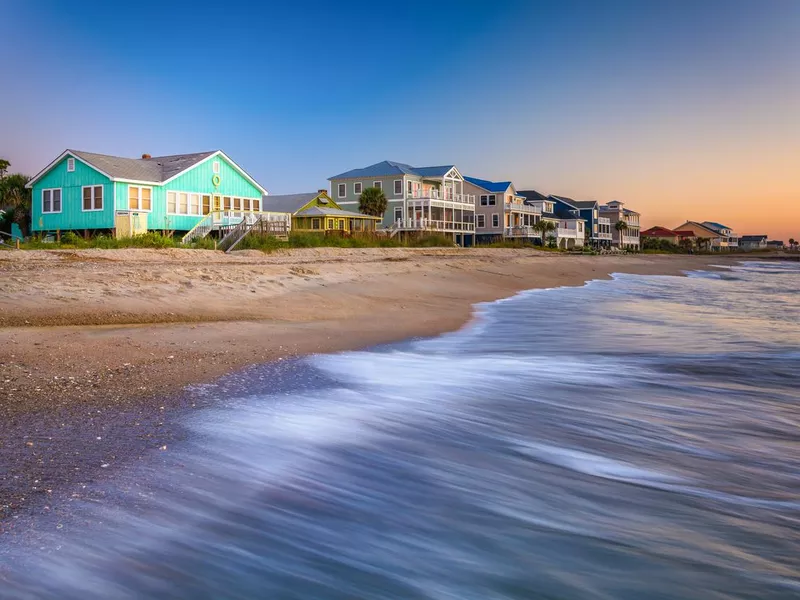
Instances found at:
x=70 y=165
x=215 y=167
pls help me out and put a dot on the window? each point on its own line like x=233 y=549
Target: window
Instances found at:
x=398 y=213
x=377 y=184
x=206 y=205
x=214 y=167
x=330 y=224
x=70 y=165
x=398 y=187
x=484 y=200
x=341 y=224
x=51 y=201
x=139 y=197
x=316 y=223
x=92 y=197
x=226 y=203
x=257 y=205
x=246 y=204
x=481 y=221
x=357 y=188
x=237 y=204
x=172 y=202
x=408 y=188
x=495 y=220
x=492 y=200
x=194 y=204
x=183 y=203
x=342 y=190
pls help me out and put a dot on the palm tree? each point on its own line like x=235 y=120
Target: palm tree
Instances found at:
x=792 y=243
x=372 y=202
x=4 y=164
x=15 y=199
x=544 y=227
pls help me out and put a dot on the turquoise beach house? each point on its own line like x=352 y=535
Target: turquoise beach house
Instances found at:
x=96 y=193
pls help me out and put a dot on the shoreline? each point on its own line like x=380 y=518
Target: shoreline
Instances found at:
x=76 y=397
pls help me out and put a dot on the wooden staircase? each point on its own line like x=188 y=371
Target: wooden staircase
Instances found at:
x=202 y=229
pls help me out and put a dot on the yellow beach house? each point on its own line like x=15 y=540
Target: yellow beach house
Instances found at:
x=316 y=212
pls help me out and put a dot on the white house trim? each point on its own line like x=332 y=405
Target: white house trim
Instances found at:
x=219 y=153
x=102 y=197
x=240 y=170
x=61 y=157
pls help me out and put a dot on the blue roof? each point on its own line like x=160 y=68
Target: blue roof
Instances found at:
x=388 y=167
x=440 y=171
x=489 y=186
x=715 y=226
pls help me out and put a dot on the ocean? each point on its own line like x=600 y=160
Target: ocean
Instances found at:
x=637 y=438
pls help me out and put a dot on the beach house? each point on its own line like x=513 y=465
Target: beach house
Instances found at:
x=753 y=242
x=705 y=237
x=598 y=229
x=624 y=224
x=729 y=237
x=316 y=212
x=89 y=193
x=546 y=208
x=663 y=233
x=502 y=213
x=420 y=199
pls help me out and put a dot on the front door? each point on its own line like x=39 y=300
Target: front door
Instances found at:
x=216 y=208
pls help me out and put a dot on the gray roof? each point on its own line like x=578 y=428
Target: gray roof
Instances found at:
x=290 y=203
x=316 y=211
x=532 y=195
x=754 y=238
x=584 y=204
x=388 y=167
x=154 y=170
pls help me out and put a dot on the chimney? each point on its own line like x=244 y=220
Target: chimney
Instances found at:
x=146 y=156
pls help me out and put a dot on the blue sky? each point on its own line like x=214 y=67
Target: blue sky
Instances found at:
x=683 y=109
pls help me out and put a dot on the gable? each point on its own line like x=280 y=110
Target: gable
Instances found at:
x=56 y=175
x=322 y=200
x=201 y=178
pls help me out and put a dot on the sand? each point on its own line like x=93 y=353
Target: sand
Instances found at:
x=96 y=345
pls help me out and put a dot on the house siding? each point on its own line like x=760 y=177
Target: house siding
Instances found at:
x=197 y=180
x=350 y=200
x=72 y=215
x=488 y=232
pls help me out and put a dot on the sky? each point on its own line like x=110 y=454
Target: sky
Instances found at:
x=684 y=110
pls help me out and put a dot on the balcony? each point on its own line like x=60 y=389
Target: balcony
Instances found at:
x=568 y=232
x=604 y=221
x=523 y=208
x=603 y=235
x=434 y=225
x=438 y=195
x=521 y=231
x=630 y=239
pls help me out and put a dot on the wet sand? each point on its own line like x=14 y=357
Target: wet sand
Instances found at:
x=96 y=346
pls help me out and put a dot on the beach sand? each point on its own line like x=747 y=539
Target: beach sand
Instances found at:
x=96 y=345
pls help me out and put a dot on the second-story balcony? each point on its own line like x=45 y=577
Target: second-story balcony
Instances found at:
x=523 y=208
x=446 y=195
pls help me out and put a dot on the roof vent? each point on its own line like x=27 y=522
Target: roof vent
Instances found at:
x=322 y=191
x=146 y=156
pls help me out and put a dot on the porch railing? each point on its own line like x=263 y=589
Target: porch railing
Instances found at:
x=521 y=231
x=433 y=225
